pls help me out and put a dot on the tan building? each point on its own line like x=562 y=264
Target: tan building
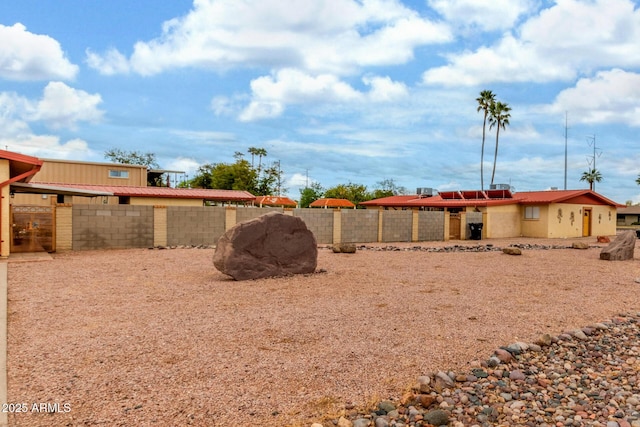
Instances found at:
x=36 y=191
x=547 y=214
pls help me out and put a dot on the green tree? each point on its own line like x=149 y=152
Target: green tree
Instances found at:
x=310 y=194
x=499 y=117
x=387 y=188
x=638 y=180
x=117 y=155
x=591 y=176
x=241 y=175
x=355 y=193
x=485 y=101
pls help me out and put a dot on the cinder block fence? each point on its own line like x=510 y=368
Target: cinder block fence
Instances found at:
x=83 y=227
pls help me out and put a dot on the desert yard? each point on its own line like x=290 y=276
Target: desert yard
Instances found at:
x=159 y=337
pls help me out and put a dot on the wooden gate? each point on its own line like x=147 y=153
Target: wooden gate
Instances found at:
x=454 y=226
x=33 y=228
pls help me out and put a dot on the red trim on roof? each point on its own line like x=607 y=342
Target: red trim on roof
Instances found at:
x=22 y=158
x=167 y=192
x=565 y=196
x=332 y=203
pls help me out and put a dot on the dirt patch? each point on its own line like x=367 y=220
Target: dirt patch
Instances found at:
x=159 y=337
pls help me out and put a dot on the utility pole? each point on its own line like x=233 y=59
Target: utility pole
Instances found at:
x=566 y=115
x=591 y=160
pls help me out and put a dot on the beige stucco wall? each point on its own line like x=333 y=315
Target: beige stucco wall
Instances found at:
x=502 y=221
x=564 y=220
x=5 y=227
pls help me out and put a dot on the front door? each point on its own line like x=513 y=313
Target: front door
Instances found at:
x=32 y=228
x=586 y=222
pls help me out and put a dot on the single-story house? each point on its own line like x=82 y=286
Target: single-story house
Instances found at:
x=629 y=215
x=548 y=214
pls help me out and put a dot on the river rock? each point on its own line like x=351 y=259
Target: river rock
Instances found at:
x=580 y=245
x=621 y=249
x=270 y=245
x=344 y=248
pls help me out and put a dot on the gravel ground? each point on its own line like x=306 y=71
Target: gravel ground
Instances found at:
x=159 y=337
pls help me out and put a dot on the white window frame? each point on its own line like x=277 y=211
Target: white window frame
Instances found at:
x=532 y=212
x=118 y=174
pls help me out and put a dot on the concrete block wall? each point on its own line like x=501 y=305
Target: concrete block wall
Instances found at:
x=195 y=225
x=112 y=226
x=82 y=227
x=319 y=221
x=359 y=225
x=431 y=226
x=397 y=226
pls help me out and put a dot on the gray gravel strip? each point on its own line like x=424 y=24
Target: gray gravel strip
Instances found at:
x=585 y=377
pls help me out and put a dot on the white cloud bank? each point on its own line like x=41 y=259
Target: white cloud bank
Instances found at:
x=323 y=36
x=25 y=56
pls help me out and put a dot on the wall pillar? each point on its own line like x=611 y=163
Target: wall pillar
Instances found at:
x=230 y=217
x=415 y=224
x=64 y=227
x=380 y=221
x=463 y=225
x=160 y=226
x=446 y=225
x=337 y=226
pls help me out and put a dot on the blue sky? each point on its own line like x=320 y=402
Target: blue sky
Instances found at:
x=338 y=91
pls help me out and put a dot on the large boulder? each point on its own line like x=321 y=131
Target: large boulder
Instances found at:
x=273 y=244
x=621 y=249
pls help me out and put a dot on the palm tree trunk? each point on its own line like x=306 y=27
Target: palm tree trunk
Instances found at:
x=484 y=127
x=495 y=156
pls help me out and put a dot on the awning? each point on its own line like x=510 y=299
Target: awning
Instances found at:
x=23 y=187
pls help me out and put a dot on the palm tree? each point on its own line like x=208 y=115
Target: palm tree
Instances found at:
x=592 y=176
x=499 y=117
x=485 y=100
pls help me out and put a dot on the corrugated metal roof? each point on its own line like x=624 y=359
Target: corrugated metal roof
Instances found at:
x=332 y=203
x=400 y=200
x=168 y=192
x=630 y=210
x=559 y=196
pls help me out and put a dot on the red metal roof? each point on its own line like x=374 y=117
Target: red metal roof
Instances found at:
x=457 y=199
x=21 y=167
x=400 y=200
x=332 y=203
x=565 y=196
x=275 y=201
x=167 y=192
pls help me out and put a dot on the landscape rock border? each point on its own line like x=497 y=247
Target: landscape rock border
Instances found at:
x=581 y=377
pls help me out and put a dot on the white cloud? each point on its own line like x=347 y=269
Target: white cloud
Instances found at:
x=568 y=39
x=488 y=15
x=271 y=94
x=609 y=97
x=337 y=36
x=112 y=62
x=47 y=146
x=26 y=56
x=63 y=106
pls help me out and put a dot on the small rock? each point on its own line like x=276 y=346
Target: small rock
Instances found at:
x=437 y=417
x=503 y=355
x=580 y=245
x=344 y=422
x=512 y=251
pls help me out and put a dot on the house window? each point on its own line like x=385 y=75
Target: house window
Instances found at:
x=118 y=174
x=532 y=212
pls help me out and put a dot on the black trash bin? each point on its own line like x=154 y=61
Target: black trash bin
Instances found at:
x=638 y=234
x=476 y=230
